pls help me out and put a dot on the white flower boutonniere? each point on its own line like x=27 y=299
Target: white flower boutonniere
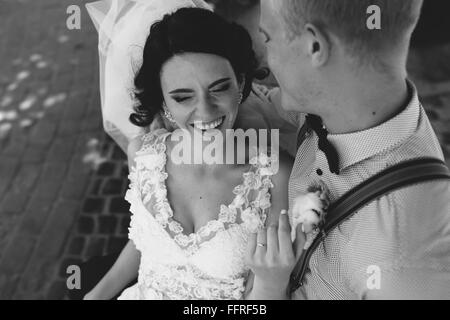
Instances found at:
x=310 y=210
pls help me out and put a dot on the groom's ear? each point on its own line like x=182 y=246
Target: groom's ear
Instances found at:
x=317 y=45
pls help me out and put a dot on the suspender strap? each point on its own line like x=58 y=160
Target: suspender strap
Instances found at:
x=399 y=176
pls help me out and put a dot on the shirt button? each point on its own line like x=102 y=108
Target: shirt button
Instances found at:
x=319 y=172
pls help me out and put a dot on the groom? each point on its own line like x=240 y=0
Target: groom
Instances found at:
x=329 y=64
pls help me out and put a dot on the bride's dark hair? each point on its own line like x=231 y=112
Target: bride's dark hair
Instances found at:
x=191 y=30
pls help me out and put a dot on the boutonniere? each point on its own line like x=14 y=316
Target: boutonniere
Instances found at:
x=310 y=210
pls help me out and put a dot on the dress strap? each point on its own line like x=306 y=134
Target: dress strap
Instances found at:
x=254 y=195
x=152 y=142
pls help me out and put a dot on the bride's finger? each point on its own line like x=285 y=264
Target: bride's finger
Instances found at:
x=272 y=240
x=284 y=235
x=261 y=241
x=251 y=246
x=299 y=242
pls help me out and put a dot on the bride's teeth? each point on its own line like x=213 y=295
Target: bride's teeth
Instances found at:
x=208 y=126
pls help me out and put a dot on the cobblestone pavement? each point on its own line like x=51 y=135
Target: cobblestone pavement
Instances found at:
x=62 y=180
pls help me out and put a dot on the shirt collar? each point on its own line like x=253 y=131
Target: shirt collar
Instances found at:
x=358 y=146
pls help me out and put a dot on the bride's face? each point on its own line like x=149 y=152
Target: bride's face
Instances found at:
x=201 y=91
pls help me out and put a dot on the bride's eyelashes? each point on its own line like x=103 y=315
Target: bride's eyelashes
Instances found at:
x=181 y=99
x=222 y=89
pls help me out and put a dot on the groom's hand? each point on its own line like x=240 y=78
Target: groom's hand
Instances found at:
x=272 y=256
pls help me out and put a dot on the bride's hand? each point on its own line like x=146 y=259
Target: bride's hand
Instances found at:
x=272 y=257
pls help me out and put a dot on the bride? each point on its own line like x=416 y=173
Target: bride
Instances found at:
x=200 y=231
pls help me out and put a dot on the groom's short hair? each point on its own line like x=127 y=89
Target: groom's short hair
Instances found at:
x=347 y=19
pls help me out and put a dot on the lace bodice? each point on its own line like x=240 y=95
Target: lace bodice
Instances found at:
x=207 y=264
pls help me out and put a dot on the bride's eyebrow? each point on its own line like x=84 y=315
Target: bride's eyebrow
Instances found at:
x=181 y=91
x=215 y=83
x=212 y=85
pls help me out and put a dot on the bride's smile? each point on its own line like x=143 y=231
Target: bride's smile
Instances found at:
x=208 y=125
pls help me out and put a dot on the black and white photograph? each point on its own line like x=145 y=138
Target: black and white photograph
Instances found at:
x=224 y=150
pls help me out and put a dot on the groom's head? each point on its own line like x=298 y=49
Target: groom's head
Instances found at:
x=315 y=45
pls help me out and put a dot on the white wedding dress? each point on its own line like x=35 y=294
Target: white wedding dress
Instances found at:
x=207 y=264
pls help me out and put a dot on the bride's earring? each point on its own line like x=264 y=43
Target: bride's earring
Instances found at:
x=241 y=97
x=167 y=114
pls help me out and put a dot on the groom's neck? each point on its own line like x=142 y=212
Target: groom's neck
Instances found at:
x=365 y=102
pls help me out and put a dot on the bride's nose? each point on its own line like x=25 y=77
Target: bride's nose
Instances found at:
x=205 y=107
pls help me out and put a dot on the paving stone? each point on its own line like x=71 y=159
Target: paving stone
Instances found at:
x=7 y=230
x=57 y=290
x=16 y=146
x=8 y=285
x=107 y=224
x=116 y=244
x=71 y=128
x=93 y=205
x=54 y=171
x=18 y=253
x=91 y=124
x=106 y=169
x=78 y=166
x=47 y=188
x=119 y=205
x=34 y=154
x=35 y=216
x=76 y=246
x=74 y=189
x=95 y=247
x=95 y=186
x=76 y=109
x=14 y=201
x=42 y=133
x=37 y=277
x=113 y=186
x=56 y=231
x=8 y=168
x=61 y=150
x=26 y=178
x=86 y=225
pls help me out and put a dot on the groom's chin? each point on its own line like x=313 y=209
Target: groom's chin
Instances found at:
x=289 y=103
